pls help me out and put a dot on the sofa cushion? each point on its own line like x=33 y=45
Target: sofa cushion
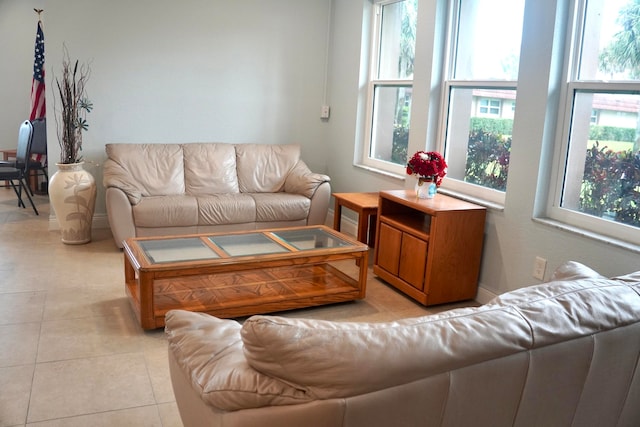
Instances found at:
x=632 y=278
x=572 y=270
x=166 y=211
x=219 y=209
x=263 y=168
x=155 y=169
x=210 y=169
x=570 y=276
x=341 y=359
x=331 y=359
x=280 y=206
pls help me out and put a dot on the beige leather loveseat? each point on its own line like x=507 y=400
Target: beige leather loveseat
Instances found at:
x=564 y=353
x=164 y=189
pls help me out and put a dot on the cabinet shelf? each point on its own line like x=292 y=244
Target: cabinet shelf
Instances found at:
x=417 y=225
x=429 y=249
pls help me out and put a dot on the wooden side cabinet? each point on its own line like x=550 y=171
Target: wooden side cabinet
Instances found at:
x=430 y=249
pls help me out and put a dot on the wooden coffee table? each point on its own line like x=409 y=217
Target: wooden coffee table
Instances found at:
x=238 y=274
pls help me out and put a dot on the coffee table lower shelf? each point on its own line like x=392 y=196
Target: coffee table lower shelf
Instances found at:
x=243 y=293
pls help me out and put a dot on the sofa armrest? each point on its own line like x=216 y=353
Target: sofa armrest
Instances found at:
x=120 y=215
x=114 y=175
x=210 y=353
x=302 y=181
x=319 y=205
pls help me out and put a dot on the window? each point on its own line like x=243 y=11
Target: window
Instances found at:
x=391 y=85
x=599 y=187
x=489 y=107
x=482 y=70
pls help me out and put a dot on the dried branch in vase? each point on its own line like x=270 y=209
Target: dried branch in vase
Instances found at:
x=74 y=107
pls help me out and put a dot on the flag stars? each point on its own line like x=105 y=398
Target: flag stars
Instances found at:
x=38 y=63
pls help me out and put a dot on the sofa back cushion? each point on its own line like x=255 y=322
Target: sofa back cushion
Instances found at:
x=263 y=168
x=340 y=359
x=333 y=359
x=156 y=169
x=210 y=169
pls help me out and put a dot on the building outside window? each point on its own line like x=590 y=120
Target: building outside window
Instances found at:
x=489 y=107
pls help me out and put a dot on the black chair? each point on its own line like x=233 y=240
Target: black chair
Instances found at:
x=37 y=156
x=19 y=172
x=38 y=153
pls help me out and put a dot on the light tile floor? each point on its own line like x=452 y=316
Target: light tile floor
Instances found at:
x=71 y=352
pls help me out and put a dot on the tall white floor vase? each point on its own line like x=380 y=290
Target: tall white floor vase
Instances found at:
x=72 y=191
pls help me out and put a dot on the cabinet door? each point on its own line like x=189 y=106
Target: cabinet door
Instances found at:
x=389 y=248
x=413 y=261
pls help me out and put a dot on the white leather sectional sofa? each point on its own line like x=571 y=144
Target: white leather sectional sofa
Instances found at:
x=564 y=353
x=169 y=189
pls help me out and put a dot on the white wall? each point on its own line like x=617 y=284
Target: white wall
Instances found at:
x=253 y=71
x=188 y=71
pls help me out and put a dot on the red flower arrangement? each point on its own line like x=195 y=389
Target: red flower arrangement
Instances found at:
x=429 y=165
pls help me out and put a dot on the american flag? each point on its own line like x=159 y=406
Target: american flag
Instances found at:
x=38 y=106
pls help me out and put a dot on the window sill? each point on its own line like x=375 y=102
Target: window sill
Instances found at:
x=478 y=201
x=381 y=172
x=589 y=234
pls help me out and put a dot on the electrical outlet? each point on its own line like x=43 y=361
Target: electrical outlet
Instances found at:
x=324 y=112
x=539 y=268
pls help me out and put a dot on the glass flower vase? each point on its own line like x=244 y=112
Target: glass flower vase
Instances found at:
x=425 y=188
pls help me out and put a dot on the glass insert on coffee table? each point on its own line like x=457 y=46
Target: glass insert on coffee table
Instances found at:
x=238 y=274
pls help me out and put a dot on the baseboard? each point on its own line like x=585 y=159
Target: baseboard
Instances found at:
x=347 y=225
x=484 y=296
x=99 y=221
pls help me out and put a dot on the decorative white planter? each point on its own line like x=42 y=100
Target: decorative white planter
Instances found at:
x=72 y=191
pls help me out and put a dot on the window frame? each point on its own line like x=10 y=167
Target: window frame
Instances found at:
x=572 y=85
x=477 y=192
x=555 y=209
x=373 y=83
x=490 y=195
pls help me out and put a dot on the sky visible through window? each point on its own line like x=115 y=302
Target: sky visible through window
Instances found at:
x=609 y=20
x=496 y=38
x=497 y=35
